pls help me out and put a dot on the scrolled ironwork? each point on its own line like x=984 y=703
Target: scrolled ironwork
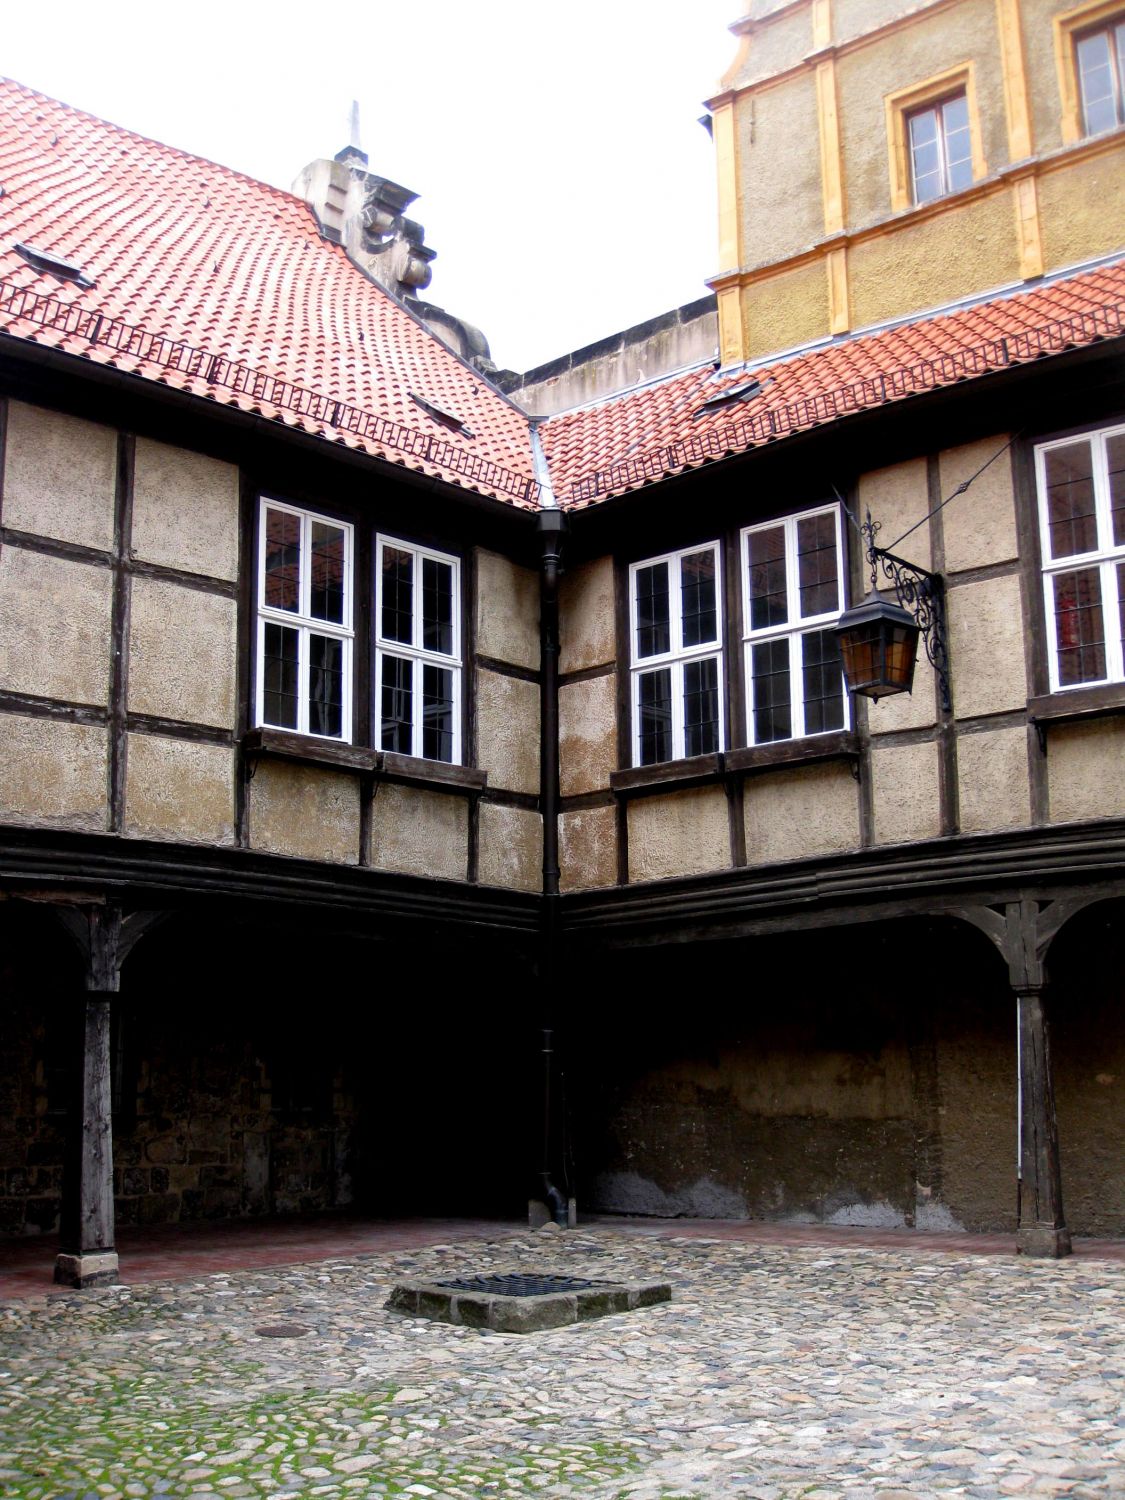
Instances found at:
x=921 y=594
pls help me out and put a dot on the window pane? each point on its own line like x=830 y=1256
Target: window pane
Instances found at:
x=326 y=685
x=770 y=694
x=1115 y=462
x=397 y=704
x=653 y=631
x=697 y=590
x=1079 y=630
x=437 y=610
x=398 y=596
x=816 y=565
x=1095 y=77
x=766 y=564
x=925 y=156
x=327 y=590
x=654 y=713
x=823 y=682
x=958 y=143
x=280 y=671
x=1070 y=500
x=283 y=560
x=701 y=707
x=437 y=713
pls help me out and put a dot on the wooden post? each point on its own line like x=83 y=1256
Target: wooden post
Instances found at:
x=1042 y=1230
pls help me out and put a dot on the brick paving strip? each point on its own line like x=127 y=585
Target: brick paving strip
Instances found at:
x=776 y=1371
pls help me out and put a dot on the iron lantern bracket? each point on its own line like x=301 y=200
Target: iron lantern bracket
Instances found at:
x=922 y=595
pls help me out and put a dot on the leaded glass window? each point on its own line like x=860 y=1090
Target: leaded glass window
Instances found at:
x=418 y=651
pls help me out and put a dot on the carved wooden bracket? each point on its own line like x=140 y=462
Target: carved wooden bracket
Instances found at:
x=1023 y=931
x=105 y=938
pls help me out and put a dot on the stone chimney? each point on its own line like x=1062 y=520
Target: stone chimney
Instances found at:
x=366 y=214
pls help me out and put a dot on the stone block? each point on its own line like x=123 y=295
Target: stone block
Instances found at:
x=992 y=780
x=510 y=850
x=185 y=510
x=54 y=773
x=305 y=811
x=176 y=789
x=60 y=474
x=1086 y=770
x=182 y=653
x=801 y=812
x=986 y=650
x=588 y=848
x=905 y=789
x=54 y=627
x=587 y=734
x=587 y=616
x=419 y=832
x=979 y=527
x=507 y=610
x=508 y=732
x=683 y=833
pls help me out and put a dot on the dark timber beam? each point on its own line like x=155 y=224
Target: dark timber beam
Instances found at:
x=87 y=1254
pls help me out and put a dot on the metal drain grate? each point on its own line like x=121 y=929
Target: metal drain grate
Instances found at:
x=515 y=1284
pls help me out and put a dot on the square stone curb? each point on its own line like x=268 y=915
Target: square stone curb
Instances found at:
x=428 y=1299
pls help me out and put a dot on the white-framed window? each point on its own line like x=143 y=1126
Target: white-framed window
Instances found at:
x=1099 y=58
x=304 y=677
x=792 y=595
x=941 y=148
x=418 y=650
x=675 y=627
x=1081 y=482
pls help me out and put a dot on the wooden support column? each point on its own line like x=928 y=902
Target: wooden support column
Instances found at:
x=1042 y=1230
x=87 y=1254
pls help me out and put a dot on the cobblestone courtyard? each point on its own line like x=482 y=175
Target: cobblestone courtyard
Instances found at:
x=776 y=1371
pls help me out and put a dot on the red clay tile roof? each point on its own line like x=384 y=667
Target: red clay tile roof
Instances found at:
x=192 y=260
x=221 y=286
x=644 y=435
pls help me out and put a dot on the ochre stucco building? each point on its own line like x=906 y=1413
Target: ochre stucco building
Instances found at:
x=359 y=728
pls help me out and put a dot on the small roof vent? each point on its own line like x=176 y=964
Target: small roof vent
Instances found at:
x=54 y=265
x=732 y=394
x=439 y=414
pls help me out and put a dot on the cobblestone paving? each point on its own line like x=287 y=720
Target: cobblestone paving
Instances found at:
x=776 y=1372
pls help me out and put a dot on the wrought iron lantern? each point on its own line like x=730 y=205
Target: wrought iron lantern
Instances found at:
x=878 y=638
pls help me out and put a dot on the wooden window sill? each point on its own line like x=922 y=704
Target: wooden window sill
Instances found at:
x=700 y=769
x=1072 y=704
x=307 y=750
x=667 y=774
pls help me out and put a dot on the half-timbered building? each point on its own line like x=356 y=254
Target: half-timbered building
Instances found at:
x=425 y=789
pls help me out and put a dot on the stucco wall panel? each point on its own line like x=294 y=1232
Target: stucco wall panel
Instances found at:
x=905 y=781
x=508 y=731
x=588 y=848
x=185 y=510
x=779 y=152
x=898 y=498
x=54 y=773
x=934 y=260
x=992 y=779
x=587 y=734
x=783 y=311
x=780 y=44
x=801 y=812
x=59 y=476
x=54 y=626
x=305 y=811
x=175 y=789
x=419 y=832
x=587 y=619
x=507 y=611
x=979 y=527
x=1086 y=770
x=182 y=653
x=510 y=851
x=1082 y=209
x=684 y=833
x=1039 y=53
x=986 y=647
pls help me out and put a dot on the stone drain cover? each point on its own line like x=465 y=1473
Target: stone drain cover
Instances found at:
x=282 y=1330
x=522 y=1301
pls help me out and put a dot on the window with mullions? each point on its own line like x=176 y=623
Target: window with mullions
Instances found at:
x=418 y=651
x=304 y=622
x=793 y=593
x=675 y=624
x=1100 y=59
x=1082 y=518
x=941 y=153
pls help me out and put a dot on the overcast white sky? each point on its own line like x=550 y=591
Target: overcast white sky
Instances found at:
x=562 y=176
